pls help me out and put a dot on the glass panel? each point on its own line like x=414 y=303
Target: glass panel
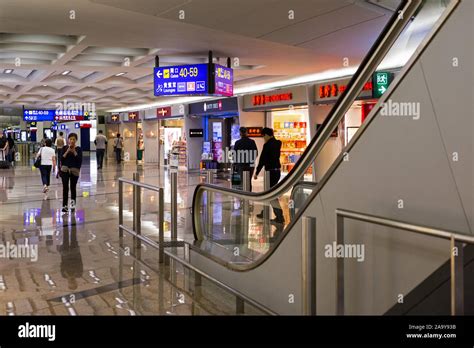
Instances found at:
x=245 y=228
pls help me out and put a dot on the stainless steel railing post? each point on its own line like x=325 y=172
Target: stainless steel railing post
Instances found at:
x=308 y=265
x=266 y=207
x=339 y=267
x=174 y=205
x=246 y=180
x=161 y=224
x=210 y=198
x=137 y=210
x=120 y=202
x=245 y=208
x=457 y=276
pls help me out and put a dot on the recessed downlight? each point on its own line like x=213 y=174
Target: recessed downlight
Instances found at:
x=8 y=71
x=120 y=74
x=64 y=73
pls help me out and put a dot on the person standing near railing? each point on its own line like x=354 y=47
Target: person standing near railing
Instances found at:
x=246 y=153
x=270 y=159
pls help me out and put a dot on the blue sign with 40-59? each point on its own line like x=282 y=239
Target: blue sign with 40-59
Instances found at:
x=181 y=80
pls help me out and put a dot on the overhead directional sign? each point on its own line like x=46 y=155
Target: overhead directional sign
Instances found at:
x=181 y=80
x=38 y=115
x=380 y=81
x=224 y=81
x=53 y=115
x=194 y=79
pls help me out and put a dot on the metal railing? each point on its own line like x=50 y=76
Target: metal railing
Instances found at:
x=456 y=261
x=297 y=196
x=373 y=58
x=135 y=231
x=136 y=213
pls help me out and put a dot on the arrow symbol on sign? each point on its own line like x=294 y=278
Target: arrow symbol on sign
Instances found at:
x=382 y=89
x=159 y=73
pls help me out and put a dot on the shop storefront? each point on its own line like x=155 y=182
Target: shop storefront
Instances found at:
x=172 y=137
x=129 y=130
x=220 y=127
x=286 y=111
x=112 y=128
x=325 y=96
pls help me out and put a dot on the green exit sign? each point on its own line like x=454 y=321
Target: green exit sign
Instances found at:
x=380 y=81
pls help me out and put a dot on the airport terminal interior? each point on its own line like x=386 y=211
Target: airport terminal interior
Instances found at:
x=238 y=157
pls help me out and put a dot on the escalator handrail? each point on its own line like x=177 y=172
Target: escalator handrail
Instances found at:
x=376 y=54
x=410 y=64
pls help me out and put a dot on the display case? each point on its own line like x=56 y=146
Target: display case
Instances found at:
x=293 y=136
x=178 y=157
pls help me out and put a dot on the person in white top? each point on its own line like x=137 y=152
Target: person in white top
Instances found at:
x=48 y=163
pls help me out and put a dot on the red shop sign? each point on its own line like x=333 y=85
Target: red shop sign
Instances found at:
x=163 y=112
x=133 y=116
x=262 y=99
x=333 y=90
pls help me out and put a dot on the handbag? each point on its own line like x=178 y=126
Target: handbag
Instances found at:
x=38 y=160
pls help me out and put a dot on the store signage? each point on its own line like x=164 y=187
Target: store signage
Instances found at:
x=334 y=90
x=77 y=125
x=262 y=99
x=196 y=133
x=163 y=112
x=193 y=79
x=381 y=80
x=213 y=106
x=114 y=118
x=282 y=98
x=133 y=116
x=255 y=132
x=217 y=107
x=330 y=92
x=224 y=81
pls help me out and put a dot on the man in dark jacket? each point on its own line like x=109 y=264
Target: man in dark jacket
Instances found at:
x=270 y=159
x=246 y=153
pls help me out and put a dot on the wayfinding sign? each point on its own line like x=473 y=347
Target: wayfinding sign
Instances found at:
x=380 y=81
x=193 y=79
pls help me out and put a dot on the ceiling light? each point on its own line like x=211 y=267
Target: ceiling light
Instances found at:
x=45 y=85
x=120 y=74
x=66 y=72
x=8 y=71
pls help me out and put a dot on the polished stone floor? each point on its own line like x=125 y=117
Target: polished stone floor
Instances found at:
x=81 y=267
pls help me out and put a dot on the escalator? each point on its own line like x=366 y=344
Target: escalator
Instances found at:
x=399 y=166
